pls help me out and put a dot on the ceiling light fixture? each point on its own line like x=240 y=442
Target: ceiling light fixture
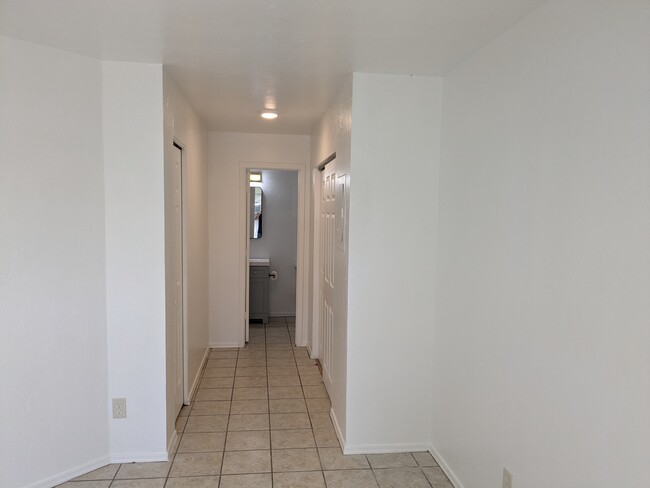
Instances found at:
x=269 y=115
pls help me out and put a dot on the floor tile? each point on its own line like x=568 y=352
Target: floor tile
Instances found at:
x=103 y=473
x=222 y=363
x=309 y=479
x=311 y=380
x=282 y=370
x=397 y=460
x=219 y=372
x=279 y=353
x=213 y=394
x=85 y=484
x=248 y=440
x=326 y=438
x=295 y=460
x=293 y=405
x=142 y=483
x=437 y=478
x=193 y=482
x=180 y=424
x=252 y=371
x=250 y=381
x=301 y=352
x=316 y=391
x=216 y=383
x=319 y=405
x=284 y=361
x=242 y=407
x=203 y=442
x=240 y=462
x=251 y=363
x=249 y=422
x=210 y=408
x=259 y=393
x=350 y=479
x=401 y=478
x=196 y=464
x=291 y=421
x=318 y=420
x=222 y=354
x=280 y=392
x=246 y=481
x=424 y=459
x=293 y=380
x=307 y=370
x=207 y=423
x=292 y=439
x=143 y=470
x=332 y=458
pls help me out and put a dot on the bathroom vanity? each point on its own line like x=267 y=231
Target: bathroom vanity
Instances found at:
x=258 y=290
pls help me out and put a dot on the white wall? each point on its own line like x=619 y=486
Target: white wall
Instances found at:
x=135 y=256
x=395 y=156
x=183 y=124
x=541 y=357
x=332 y=134
x=226 y=151
x=53 y=365
x=278 y=241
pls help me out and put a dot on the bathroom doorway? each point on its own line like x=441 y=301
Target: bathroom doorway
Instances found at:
x=273 y=259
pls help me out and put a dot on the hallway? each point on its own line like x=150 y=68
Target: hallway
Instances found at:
x=260 y=419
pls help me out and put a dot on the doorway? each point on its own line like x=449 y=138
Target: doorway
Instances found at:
x=248 y=226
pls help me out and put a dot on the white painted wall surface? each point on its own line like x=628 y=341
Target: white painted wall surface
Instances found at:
x=278 y=241
x=333 y=134
x=395 y=157
x=225 y=152
x=541 y=357
x=135 y=256
x=53 y=365
x=182 y=123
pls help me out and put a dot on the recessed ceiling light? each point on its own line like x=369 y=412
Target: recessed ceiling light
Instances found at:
x=269 y=115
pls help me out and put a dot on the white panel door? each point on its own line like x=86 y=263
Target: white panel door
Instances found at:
x=177 y=252
x=328 y=241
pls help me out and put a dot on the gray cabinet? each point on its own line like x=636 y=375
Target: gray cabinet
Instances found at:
x=258 y=293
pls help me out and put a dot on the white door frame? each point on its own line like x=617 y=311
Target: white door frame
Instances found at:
x=185 y=348
x=303 y=275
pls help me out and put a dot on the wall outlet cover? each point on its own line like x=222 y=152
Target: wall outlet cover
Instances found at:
x=119 y=408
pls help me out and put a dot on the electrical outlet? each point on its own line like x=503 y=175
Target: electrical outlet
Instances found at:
x=119 y=408
x=507 y=479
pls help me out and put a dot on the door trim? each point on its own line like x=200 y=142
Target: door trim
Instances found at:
x=302 y=251
x=184 y=314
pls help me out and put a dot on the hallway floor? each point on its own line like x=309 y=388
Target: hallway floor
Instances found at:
x=260 y=419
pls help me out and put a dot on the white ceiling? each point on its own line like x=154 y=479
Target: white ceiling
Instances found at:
x=232 y=56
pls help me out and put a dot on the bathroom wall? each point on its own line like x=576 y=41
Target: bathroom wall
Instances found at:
x=278 y=241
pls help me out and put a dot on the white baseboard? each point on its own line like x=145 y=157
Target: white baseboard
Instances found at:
x=220 y=345
x=171 y=443
x=69 y=474
x=139 y=457
x=445 y=467
x=384 y=448
x=337 y=429
x=197 y=377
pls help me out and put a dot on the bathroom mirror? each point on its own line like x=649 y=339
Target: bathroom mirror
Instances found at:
x=256 y=212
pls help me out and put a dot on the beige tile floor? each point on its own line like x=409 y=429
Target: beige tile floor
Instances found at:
x=260 y=419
